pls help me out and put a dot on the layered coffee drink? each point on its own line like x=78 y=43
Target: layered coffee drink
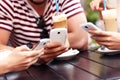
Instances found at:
x=110 y=20
x=59 y=20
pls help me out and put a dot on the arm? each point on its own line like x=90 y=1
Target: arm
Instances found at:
x=6 y=24
x=109 y=39
x=4 y=39
x=78 y=38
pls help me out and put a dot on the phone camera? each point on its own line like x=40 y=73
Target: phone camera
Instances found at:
x=58 y=33
x=86 y=26
x=44 y=43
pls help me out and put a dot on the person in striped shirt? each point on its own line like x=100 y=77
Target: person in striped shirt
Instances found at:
x=18 y=24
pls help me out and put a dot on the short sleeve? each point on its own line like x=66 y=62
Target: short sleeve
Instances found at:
x=5 y=18
x=71 y=7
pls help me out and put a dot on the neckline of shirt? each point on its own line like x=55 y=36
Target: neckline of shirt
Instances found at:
x=34 y=11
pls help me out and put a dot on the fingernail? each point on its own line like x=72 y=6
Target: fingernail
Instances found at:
x=42 y=53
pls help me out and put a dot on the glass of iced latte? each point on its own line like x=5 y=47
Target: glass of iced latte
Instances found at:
x=110 y=20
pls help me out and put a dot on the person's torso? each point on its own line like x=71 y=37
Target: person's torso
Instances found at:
x=25 y=28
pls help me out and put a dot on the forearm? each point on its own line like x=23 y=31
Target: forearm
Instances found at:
x=4 y=67
x=4 y=39
x=79 y=41
x=5 y=47
x=78 y=38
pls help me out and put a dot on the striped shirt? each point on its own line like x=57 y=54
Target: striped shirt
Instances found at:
x=19 y=18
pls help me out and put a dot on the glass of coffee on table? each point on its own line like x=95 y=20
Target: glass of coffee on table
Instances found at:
x=110 y=23
x=110 y=20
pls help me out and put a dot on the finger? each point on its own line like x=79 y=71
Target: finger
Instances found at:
x=101 y=39
x=30 y=61
x=97 y=5
x=48 y=57
x=102 y=43
x=53 y=55
x=33 y=53
x=33 y=61
x=100 y=9
x=99 y=33
x=92 y=6
x=95 y=32
x=26 y=65
x=52 y=45
x=54 y=50
x=22 y=48
x=109 y=46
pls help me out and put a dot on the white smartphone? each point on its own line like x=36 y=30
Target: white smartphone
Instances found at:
x=88 y=26
x=58 y=34
x=41 y=44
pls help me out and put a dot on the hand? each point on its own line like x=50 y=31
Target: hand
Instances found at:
x=109 y=39
x=51 y=50
x=21 y=58
x=97 y=5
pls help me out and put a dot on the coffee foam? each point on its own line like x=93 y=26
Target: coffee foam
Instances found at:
x=109 y=13
x=59 y=17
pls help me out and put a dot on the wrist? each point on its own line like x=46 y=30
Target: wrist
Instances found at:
x=4 y=67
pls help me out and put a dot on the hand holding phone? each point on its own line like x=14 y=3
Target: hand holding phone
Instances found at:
x=89 y=26
x=59 y=35
x=41 y=44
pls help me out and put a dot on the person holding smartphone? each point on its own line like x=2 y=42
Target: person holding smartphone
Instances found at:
x=29 y=21
x=109 y=39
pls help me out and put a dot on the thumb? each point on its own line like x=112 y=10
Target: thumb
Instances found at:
x=22 y=48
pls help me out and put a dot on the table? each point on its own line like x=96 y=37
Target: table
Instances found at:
x=87 y=65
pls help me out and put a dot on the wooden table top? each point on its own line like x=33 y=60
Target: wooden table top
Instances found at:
x=86 y=65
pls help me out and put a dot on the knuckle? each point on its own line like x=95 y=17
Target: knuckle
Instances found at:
x=108 y=39
x=109 y=47
x=29 y=60
x=27 y=67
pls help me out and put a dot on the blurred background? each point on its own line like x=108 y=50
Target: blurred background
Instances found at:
x=93 y=16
